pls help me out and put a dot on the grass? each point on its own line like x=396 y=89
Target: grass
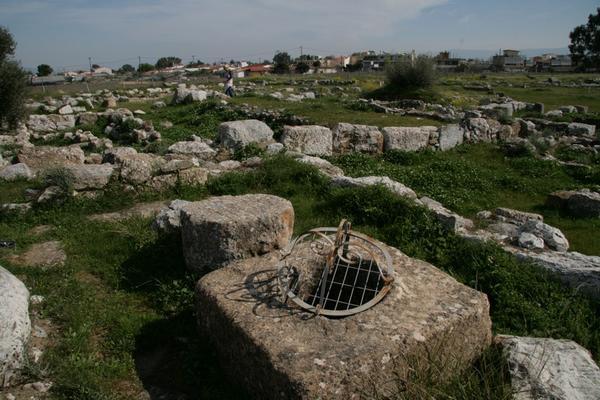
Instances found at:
x=123 y=303
x=470 y=179
x=125 y=294
x=329 y=111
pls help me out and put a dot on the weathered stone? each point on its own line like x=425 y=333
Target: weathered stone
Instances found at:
x=576 y=270
x=116 y=155
x=168 y=219
x=584 y=204
x=552 y=236
x=139 y=168
x=559 y=199
x=40 y=158
x=348 y=138
x=90 y=176
x=451 y=221
x=450 y=136
x=238 y=134
x=222 y=229
x=312 y=140
x=277 y=352
x=530 y=241
x=87 y=118
x=40 y=123
x=229 y=165
x=184 y=95
x=110 y=102
x=193 y=176
x=365 y=181
x=518 y=217
x=176 y=165
x=62 y=121
x=577 y=129
x=324 y=166
x=275 y=148
x=15 y=326
x=550 y=369
x=65 y=110
x=480 y=130
x=163 y=182
x=16 y=172
x=407 y=138
x=504 y=230
x=198 y=149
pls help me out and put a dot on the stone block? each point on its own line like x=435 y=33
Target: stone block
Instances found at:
x=348 y=138
x=407 y=138
x=15 y=326
x=236 y=135
x=220 y=230
x=279 y=352
x=550 y=369
x=312 y=140
x=450 y=136
x=40 y=158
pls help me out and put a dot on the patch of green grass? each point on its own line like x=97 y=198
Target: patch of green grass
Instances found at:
x=123 y=303
x=329 y=111
x=474 y=178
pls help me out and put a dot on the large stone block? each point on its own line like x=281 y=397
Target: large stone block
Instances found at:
x=550 y=369
x=407 y=138
x=40 y=158
x=237 y=134
x=220 y=230
x=278 y=352
x=308 y=139
x=15 y=326
x=450 y=136
x=348 y=138
x=90 y=176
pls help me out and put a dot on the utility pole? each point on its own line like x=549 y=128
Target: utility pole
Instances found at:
x=139 y=62
x=193 y=59
x=90 y=60
x=301 y=52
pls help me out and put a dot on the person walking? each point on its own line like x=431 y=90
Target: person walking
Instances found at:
x=229 y=83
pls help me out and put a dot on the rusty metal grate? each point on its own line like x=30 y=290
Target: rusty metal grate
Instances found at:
x=335 y=272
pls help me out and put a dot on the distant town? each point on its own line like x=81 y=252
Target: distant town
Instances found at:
x=367 y=61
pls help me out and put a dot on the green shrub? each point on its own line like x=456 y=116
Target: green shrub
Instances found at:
x=62 y=178
x=13 y=83
x=408 y=75
x=248 y=151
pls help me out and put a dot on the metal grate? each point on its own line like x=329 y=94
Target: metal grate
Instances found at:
x=335 y=272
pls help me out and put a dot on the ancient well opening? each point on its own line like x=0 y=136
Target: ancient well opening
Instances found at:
x=335 y=272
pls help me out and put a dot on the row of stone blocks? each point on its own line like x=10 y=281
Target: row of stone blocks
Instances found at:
x=276 y=351
x=348 y=138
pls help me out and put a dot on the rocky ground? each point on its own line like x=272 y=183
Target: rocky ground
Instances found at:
x=91 y=147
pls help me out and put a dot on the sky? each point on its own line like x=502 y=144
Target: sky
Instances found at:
x=64 y=33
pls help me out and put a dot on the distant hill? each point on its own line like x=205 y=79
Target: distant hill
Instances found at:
x=485 y=54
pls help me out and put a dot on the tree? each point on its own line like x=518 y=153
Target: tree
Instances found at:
x=95 y=66
x=282 y=63
x=167 y=62
x=7 y=44
x=585 y=43
x=12 y=84
x=317 y=64
x=44 y=70
x=126 y=69
x=407 y=74
x=145 y=67
x=302 y=68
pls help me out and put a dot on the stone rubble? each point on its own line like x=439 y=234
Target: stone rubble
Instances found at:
x=15 y=326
